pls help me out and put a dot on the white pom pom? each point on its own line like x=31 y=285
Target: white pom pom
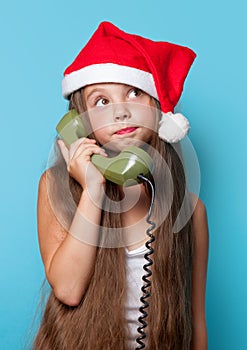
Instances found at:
x=173 y=127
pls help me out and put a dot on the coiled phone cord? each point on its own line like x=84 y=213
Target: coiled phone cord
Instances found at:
x=145 y=277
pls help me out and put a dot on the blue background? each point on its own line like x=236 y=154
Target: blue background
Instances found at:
x=38 y=40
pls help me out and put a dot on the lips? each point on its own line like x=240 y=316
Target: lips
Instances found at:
x=125 y=130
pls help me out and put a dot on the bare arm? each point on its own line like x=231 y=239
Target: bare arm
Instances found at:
x=199 y=276
x=68 y=261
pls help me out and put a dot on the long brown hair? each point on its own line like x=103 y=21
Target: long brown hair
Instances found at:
x=98 y=322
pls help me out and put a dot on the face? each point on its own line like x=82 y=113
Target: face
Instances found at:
x=120 y=115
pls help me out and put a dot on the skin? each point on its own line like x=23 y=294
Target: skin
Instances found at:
x=113 y=107
x=68 y=261
x=199 y=276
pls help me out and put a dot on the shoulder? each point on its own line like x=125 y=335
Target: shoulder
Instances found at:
x=45 y=183
x=42 y=180
x=199 y=225
x=44 y=207
x=47 y=213
x=199 y=216
x=43 y=198
x=42 y=187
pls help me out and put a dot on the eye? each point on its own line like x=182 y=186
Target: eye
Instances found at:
x=134 y=93
x=100 y=102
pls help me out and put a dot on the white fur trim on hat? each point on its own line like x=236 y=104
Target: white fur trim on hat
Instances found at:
x=173 y=127
x=108 y=73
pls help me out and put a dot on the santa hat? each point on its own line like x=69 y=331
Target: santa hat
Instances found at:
x=158 y=68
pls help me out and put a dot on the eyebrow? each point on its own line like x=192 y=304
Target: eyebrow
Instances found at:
x=99 y=90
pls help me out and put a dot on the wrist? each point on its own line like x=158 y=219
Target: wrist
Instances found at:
x=95 y=193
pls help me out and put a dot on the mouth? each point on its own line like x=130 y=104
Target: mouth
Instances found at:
x=127 y=130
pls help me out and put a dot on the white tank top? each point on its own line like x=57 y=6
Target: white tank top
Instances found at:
x=134 y=271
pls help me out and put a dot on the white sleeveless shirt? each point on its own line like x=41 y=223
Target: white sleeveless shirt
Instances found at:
x=134 y=270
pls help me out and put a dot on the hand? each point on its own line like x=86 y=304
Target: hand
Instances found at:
x=79 y=164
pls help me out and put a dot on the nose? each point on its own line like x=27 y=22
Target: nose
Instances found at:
x=121 y=112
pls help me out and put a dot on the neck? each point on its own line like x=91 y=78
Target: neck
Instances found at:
x=135 y=206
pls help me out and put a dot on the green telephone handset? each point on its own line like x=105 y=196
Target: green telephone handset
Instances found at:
x=122 y=169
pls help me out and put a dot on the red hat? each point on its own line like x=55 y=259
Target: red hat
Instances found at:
x=158 y=68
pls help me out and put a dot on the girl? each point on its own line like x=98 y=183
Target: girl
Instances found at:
x=96 y=286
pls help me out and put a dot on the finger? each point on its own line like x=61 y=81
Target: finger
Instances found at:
x=82 y=140
x=64 y=150
x=75 y=145
x=88 y=151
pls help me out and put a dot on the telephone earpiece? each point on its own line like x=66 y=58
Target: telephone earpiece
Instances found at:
x=122 y=169
x=71 y=128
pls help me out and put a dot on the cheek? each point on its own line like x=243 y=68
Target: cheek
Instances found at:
x=152 y=123
x=154 y=116
x=149 y=101
x=101 y=136
x=99 y=118
x=149 y=118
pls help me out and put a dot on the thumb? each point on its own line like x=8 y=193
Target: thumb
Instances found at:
x=64 y=150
